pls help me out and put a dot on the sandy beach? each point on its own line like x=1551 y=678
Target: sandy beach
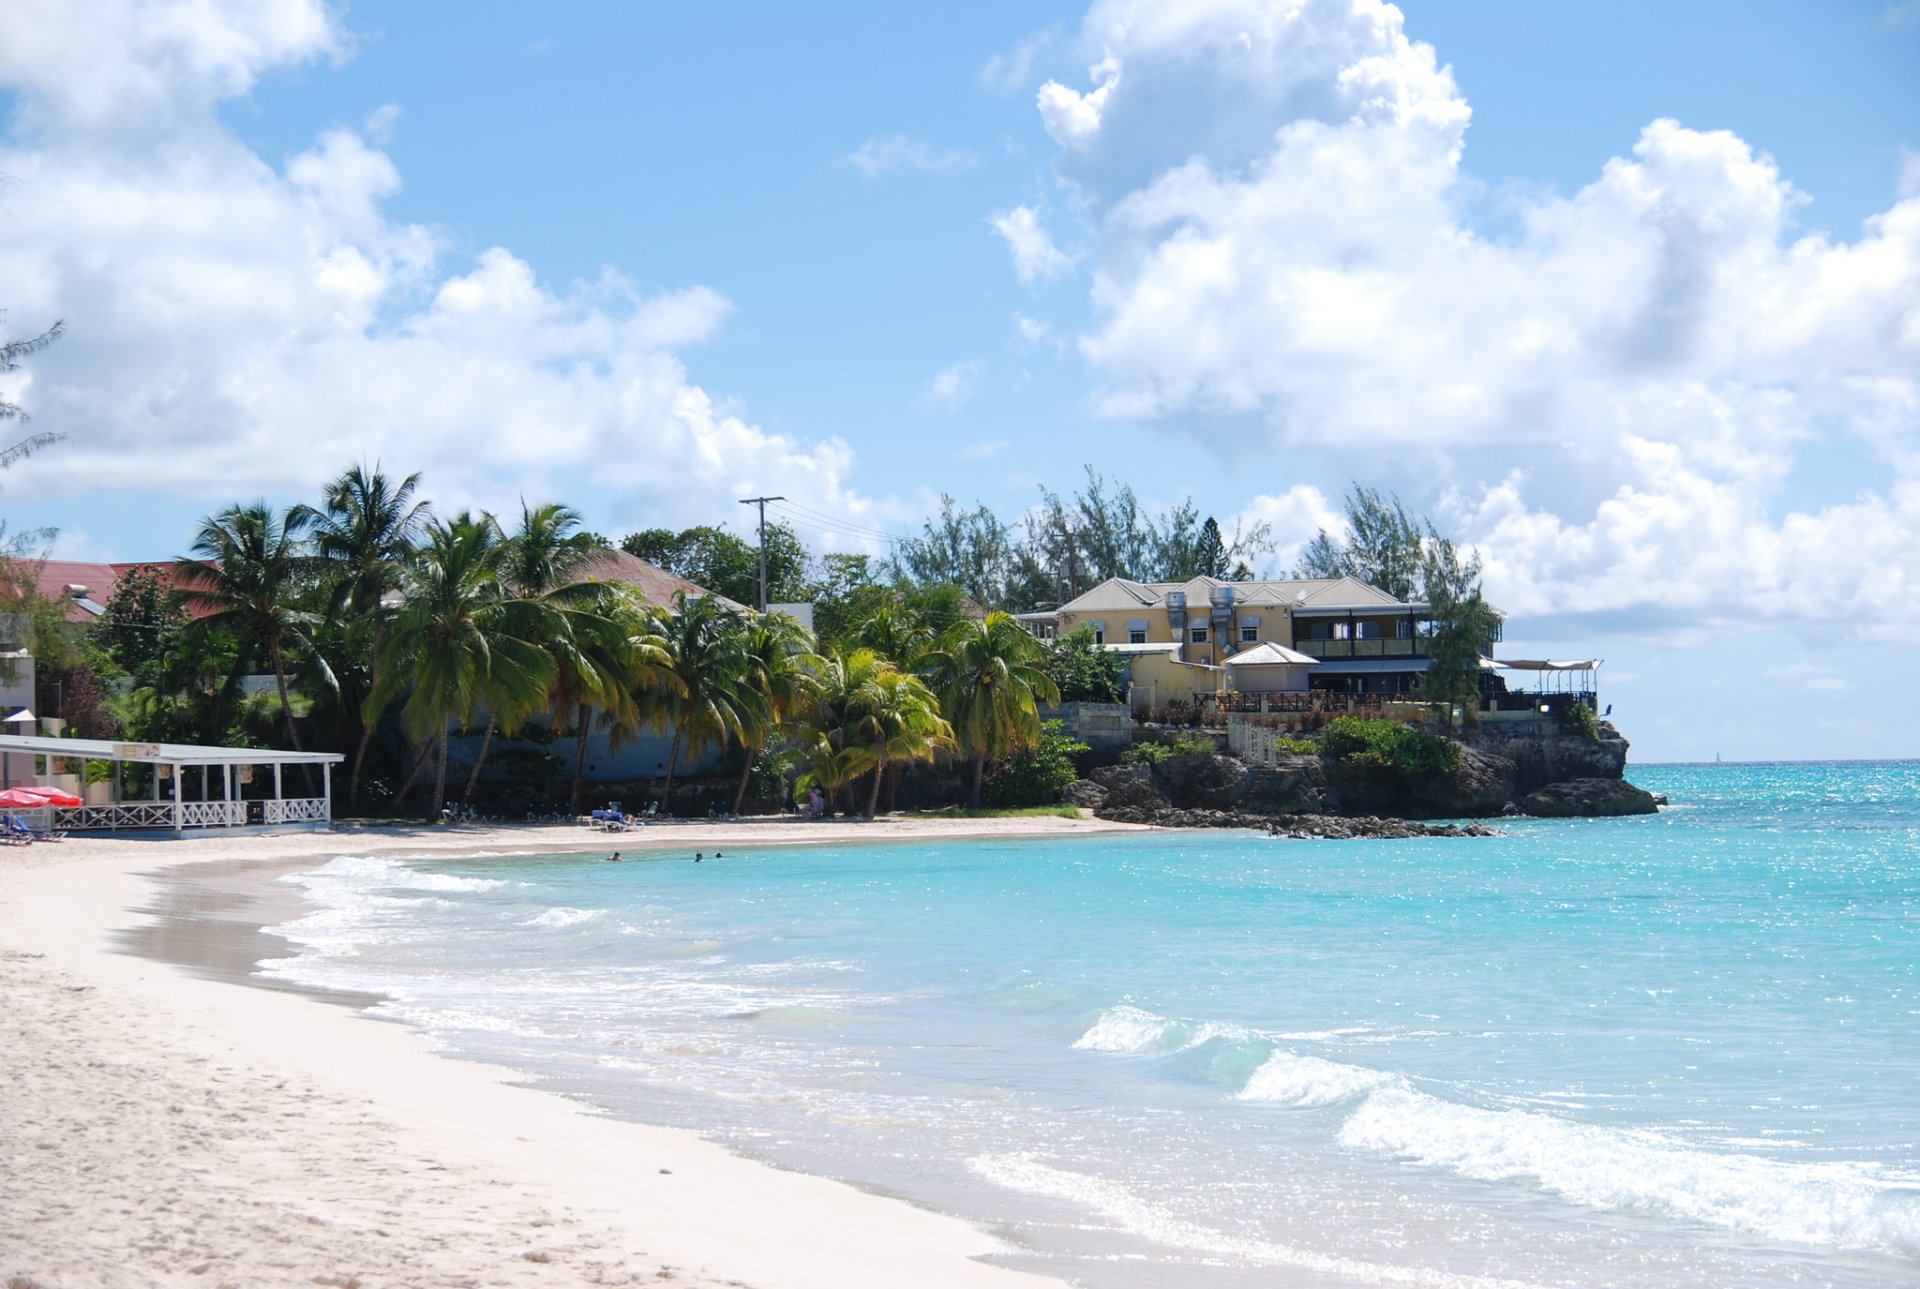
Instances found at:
x=166 y=1127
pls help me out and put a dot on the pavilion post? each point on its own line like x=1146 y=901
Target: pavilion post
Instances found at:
x=326 y=792
x=177 y=825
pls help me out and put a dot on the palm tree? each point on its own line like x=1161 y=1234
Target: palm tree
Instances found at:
x=991 y=680
x=462 y=638
x=703 y=640
x=892 y=632
x=365 y=529
x=779 y=678
x=830 y=765
x=246 y=582
x=895 y=716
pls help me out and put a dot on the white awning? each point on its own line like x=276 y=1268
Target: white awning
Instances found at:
x=94 y=749
x=1526 y=664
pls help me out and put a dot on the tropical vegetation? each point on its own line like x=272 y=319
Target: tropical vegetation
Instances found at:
x=428 y=647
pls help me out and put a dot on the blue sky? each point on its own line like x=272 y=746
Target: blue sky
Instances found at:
x=649 y=259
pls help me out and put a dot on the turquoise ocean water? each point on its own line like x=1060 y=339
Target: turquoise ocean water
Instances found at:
x=1668 y=1051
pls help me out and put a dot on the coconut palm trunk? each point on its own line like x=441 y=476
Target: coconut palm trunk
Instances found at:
x=581 y=724
x=746 y=774
x=979 y=779
x=413 y=776
x=873 y=795
x=367 y=728
x=440 y=773
x=473 y=780
x=666 y=795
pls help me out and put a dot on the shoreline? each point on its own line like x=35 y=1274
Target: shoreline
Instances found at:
x=175 y=1125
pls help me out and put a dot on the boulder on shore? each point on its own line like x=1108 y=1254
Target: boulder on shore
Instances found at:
x=1588 y=798
x=1085 y=793
x=1131 y=787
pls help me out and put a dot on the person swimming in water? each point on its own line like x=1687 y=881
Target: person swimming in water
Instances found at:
x=697 y=856
x=614 y=858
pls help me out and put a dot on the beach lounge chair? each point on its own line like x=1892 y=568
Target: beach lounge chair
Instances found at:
x=21 y=831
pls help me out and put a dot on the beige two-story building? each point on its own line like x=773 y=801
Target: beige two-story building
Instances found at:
x=1305 y=633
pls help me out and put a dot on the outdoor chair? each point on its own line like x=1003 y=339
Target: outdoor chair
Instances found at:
x=21 y=831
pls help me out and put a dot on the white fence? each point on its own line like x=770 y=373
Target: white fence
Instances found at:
x=297 y=810
x=1256 y=744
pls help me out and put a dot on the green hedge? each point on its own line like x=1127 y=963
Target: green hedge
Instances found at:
x=1390 y=745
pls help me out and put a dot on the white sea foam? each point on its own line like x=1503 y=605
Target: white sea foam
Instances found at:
x=1127 y=1028
x=1846 y=1205
x=1288 y=1079
x=1025 y=1173
x=361 y=872
x=563 y=916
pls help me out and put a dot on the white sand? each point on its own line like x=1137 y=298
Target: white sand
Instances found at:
x=158 y=1128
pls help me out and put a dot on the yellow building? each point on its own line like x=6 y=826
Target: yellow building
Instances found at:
x=1365 y=640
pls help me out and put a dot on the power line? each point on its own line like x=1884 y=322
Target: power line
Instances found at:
x=811 y=518
x=820 y=518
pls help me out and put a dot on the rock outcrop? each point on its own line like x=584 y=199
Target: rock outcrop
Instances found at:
x=1560 y=775
x=1588 y=798
x=1318 y=827
x=1130 y=787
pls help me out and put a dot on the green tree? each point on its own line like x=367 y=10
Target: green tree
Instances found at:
x=1405 y=556
x=1037 y=776
x=719 y=561
x=895 y=716
x=992 y=681
x=364 y=530
x=142 y=623
x=704 y=644
x=971 y=549
x=462 y=638
x=247 y=580
x=778 y=681
x=895 y=632
x=1086 y=672
x=1384 y=546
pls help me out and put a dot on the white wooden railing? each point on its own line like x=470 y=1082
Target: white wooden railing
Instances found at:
x=295 y=810
x=127 y=814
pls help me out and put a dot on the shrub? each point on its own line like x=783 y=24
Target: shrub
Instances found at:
x=1035 y=777
x=1389 y=745
x=1085 y=671
x=1578 y=719
x=1156 y=752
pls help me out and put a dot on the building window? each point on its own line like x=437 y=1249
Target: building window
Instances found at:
x=1136 y=637
x=1198 y=635
x=1249 y=634
x=1099 y=636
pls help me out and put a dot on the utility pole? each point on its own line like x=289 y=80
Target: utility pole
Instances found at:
x=762 y=503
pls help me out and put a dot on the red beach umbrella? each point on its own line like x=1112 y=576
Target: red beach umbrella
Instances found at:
x=21 y=799
x=52 y=796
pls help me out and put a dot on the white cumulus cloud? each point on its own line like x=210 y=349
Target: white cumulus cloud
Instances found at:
x=237 y=328
x=1281 y=232
x=1034 y=255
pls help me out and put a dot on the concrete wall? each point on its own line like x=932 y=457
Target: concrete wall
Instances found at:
x=1104 y=727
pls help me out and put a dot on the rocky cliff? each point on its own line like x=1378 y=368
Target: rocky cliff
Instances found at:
x=1552 y=775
